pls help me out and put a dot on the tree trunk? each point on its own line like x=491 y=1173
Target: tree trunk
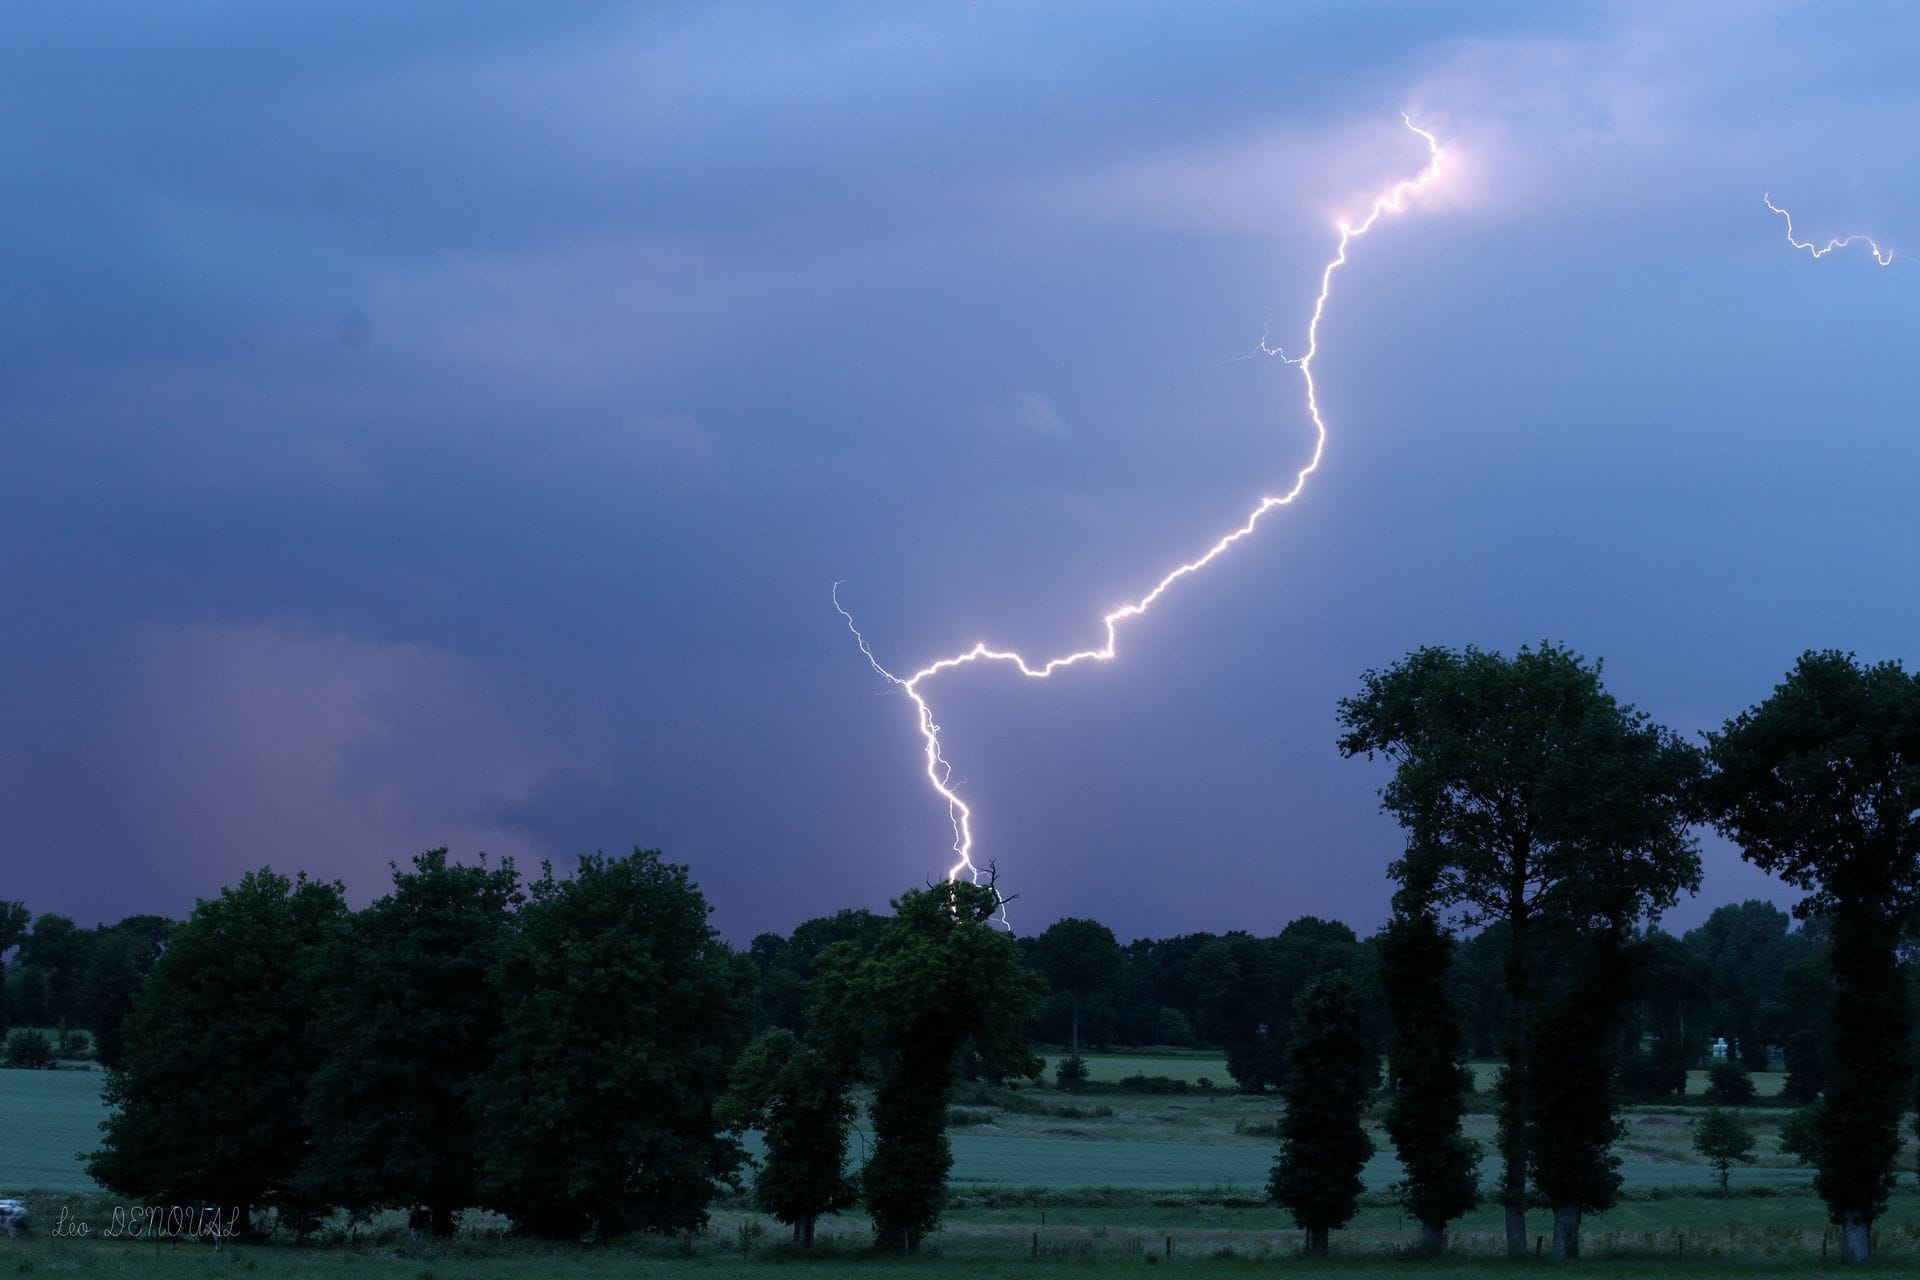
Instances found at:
x=798 y=1234
x=1856 y=1239
x=1432 y=1242
x=806 y=1238
x=1516 y=1231
x=1566 y=1232
x=1316 y=1242
x=1076 y=1026
x=1513 y=1126
x=442 y=1221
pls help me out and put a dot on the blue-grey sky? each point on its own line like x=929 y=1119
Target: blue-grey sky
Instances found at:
x=442 y=424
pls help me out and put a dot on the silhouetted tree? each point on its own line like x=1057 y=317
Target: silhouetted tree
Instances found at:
x=1820 y=785
x=1323 y=1145
x=14 y=919
x=1746 y=948
x=122 y=957
x=411 y=1017
x=1526 y=791
x=1429 y=1078
x=622 y=1012
x=799 y=1095
x=59 y=948
x=1575 y=1118
x=941 y=976
x=220 y=1048
x=1081 y=958
x=1247 y=987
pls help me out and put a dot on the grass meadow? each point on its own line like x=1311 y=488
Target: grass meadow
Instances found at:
x=1096 y=1184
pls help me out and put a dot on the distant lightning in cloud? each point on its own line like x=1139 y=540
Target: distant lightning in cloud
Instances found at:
x=1882 y=256
x=939 y=772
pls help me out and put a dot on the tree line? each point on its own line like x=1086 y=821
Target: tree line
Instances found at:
x=581 y=1053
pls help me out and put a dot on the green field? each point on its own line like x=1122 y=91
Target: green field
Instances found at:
x=50 y=1118
x=1098 y=1182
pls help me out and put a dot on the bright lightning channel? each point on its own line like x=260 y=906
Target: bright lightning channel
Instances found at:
x=1882 y=256
x=939 y=772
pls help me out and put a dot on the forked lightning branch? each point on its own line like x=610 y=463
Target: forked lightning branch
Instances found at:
x=938 y=772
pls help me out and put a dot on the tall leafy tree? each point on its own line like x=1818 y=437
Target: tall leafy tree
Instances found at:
x=1528 y=794
x=799 y=1096
x=1323 y=1144
x=14 y=921
x=59 y=948
x=786 y=965
x=122 y=957
x=1575 y=1118
x=1746 y=948
x=1081 y=958
x=622 y=1011
x=411 y=1019
x=1663 y=1027
x=1820 y=785
x=220 y=1049
x=1429 y=1077
x=1247 y=987
x=941 y=977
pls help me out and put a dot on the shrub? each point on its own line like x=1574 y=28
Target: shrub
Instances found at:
x=29 y=1049
x=1728 y=1084
x=1071 y=1073
x=1139 y=1082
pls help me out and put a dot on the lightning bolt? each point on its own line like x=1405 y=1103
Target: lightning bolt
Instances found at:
x=939 y=772
x=1882 y=256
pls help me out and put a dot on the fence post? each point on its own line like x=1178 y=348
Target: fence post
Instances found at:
x=1169 y=1248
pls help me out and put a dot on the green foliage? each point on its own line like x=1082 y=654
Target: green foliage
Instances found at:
x=1723 y=1138
x=1247 y=987
x=1820 y=785
x=1428 y=1074
x=1323 y=1146
x=1071 y=1073
x=1800 y=1135
x=220 y=1047
x=1745 y=949
x=122 y=957
x=1728 y=1084
x=28 y=1050
x=1529 y=795
x=622 y=1012
x=1668 y=1000
x=411 y=1017
x=941 y=975
x=1173 y=1028
x=799 y=1096
x=60 y=949
x=1575 y=1118
x=1081 y=958
x=786 y=965
x=14 y=919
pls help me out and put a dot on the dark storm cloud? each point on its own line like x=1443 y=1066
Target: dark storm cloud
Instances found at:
x=441 y=424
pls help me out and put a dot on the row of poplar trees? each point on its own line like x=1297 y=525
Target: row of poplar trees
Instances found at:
x=1531 y=798
x=574 y=1053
